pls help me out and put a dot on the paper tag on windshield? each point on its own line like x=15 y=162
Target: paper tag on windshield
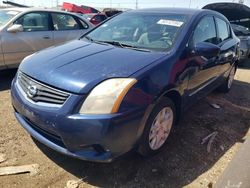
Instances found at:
x=170 y=22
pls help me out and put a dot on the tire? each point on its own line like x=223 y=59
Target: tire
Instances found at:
x=226 y=86
x=150 y=143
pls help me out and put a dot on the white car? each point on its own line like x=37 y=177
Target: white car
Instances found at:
x=24 y=31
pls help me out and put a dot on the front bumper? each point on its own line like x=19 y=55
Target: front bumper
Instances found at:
x=99 y=138
x=90 y=155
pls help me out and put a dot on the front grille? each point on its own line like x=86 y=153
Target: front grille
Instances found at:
x=38 y=92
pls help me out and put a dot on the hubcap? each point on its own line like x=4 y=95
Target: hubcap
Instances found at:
x=160 y=128
x=231 y=78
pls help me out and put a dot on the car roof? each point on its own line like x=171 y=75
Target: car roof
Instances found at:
x=34 y=9
x=169 y=10
x=187 y=11
x=232 y=11
x=92 y=14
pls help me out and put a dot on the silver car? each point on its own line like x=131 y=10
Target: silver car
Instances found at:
x=24 y=31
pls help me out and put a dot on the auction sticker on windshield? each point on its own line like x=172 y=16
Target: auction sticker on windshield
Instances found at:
x=170 y=22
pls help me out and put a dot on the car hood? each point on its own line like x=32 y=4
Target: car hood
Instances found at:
x=233 y=11
x=78 y=66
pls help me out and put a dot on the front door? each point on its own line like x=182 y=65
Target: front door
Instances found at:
x=203 y=70
x=228 y=53
x=36 y=35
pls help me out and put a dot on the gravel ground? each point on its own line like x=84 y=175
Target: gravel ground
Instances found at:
x=184 y=163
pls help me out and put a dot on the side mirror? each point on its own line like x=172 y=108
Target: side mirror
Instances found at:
x=15 y=28
x=206 y=49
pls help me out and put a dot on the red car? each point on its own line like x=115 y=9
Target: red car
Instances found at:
x=78 y=9
x=95 y=19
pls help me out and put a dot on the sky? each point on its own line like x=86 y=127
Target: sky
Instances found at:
x=127 y=3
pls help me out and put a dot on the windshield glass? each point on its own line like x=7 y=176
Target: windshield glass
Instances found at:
x=141 y=30
x=6 y=15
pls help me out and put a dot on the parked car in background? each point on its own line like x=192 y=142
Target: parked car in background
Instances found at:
x=95 y=19
x=70 y=7
x=24 y=31
x=125 y=84
x=109 y=12
x=239 y=17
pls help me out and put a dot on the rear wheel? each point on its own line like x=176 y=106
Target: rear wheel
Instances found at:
x=158 y=127
x=226 y=86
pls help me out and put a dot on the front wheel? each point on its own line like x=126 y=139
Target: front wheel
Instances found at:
x=157 y=128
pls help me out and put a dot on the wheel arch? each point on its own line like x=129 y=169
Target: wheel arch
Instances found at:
x=175 y=96
x=172 y=94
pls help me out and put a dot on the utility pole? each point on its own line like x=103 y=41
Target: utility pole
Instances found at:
x=136 y=4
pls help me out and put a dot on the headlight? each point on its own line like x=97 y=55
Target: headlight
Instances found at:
x=106 y=97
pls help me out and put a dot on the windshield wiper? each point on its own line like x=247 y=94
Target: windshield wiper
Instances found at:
x=137 y=48
x=122 y=45
x=95 y=41
x=116 y=43
x=88 y=38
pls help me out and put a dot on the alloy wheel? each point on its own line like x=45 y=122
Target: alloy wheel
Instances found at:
x=160 y=128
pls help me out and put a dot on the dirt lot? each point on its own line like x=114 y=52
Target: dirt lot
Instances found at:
x=184 y=163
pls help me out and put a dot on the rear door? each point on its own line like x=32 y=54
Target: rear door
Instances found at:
x=67 y=27
x=203 y=70
x=227 y=45
x=36 y=35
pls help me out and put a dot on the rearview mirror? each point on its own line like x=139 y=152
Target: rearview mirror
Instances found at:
x=15 y=28
x=206 y=49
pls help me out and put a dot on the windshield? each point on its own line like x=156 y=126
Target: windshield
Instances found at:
x=6 y=15
x=141 y=30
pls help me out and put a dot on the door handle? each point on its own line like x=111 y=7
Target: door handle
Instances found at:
x=46 y=37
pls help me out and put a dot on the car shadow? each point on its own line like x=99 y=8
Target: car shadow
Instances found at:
x=184 y=159
x=6 y=76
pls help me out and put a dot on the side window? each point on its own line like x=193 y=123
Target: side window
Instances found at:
x=205 y=31
x=223 y=30
x=36 y=21
x=64 y=22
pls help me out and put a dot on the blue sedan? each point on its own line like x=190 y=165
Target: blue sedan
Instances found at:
x=126 y=83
